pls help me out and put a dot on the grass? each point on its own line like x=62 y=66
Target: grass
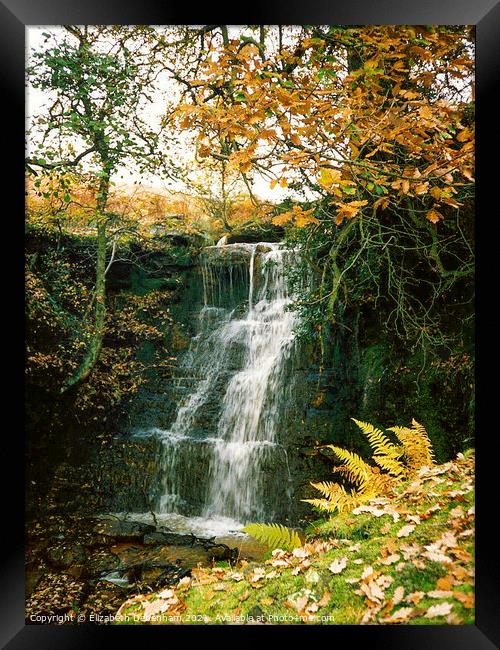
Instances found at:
x=364 y=539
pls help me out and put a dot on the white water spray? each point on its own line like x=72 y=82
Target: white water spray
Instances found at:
x=244 y=352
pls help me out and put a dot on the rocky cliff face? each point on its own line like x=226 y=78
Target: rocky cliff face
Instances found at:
x=100 y=467
x=304 y=422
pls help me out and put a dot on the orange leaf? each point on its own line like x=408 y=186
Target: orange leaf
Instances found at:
x=464 y=135
x=434 y=216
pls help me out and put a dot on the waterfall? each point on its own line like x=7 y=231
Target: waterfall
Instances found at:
x=222 y=456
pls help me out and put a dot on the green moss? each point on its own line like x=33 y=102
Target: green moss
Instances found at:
x=141 y=284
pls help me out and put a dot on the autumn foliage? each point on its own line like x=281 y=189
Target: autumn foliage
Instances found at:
x=367 y=116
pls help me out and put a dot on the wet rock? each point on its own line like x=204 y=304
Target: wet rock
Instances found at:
x=253 y=233
x=153 y=573
x=227 y=255
x=122 y=530
x=64 y=556
x=102 y=561
x=77 y=570
x=220 y=553
x=166 y=538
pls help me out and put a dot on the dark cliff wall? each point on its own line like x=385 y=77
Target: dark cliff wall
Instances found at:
x=92 y=465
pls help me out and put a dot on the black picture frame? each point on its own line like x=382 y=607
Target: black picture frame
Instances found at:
x=485 y=14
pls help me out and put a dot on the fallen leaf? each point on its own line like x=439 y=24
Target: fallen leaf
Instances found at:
x=439 y=593
x=406 y=530
x=337 y=566
x=376 y=512
x=453 y=619
x=312 y=576
x=467 y=600
x=257 y=575
x=325 y=599
x=367 y=571
x=236 y=576
x=419 y=564
x=441 y=609
x=447 y=540
x=461 y=554
x=184 y=583
x=372 y=591
x=445 y=583
x=300 y=603
x=398 y=594
x=402 y=615
x=415 y=597
x=414 y=518
x=460 y=573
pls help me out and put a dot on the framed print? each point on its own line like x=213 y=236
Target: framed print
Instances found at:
x=249 y=323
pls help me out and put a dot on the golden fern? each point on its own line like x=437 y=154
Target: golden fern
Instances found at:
x=274 y=536
x=390 y=465
x=386 y=454
x=397 y=462
x=337 y=498
x=379 y=442
x=356 y=469
x=416 y=445
x=378 y=485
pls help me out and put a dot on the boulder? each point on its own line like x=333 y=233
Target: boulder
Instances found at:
x=121 y=530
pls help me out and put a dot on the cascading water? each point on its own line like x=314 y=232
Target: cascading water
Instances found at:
x=240 y=357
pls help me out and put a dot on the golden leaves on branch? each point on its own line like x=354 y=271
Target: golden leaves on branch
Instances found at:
x=297 y=215
x=348 y=210
x=379 y=124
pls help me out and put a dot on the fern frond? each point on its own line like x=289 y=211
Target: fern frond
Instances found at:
x=416 y=444
x=322 y=504
x=423 y=437
x=396 y=461
x=391 y=465
x=337 y=498
x=401 y=433
x=356 y=466
x=378 y=485
x=353 y=476
x=379 y=442
x=274 y=536
x=326 y=488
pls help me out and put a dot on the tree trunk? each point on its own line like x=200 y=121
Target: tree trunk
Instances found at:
x=95 y=343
